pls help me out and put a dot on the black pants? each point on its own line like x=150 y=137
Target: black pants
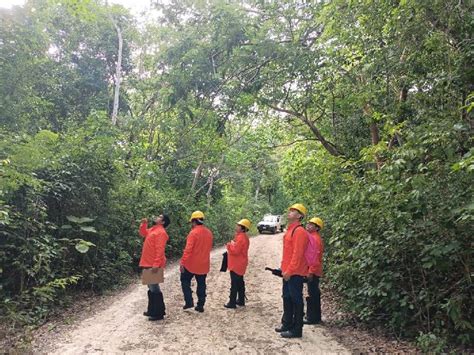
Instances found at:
x=313 y=309
x=237 y=289
x=186 y=278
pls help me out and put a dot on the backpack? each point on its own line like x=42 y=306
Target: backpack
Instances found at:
x=311 y=253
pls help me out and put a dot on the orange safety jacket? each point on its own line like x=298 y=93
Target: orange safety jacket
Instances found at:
x=197 y=253
x=238 y=257
x=294 y=246
x=153 y=251
x=318 y=268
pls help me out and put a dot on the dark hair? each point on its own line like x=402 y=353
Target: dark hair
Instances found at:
x=166 y=220
x=198 y=221
x=244 y=228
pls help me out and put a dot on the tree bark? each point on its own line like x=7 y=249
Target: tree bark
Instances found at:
x=118 y=75
x=197 y=174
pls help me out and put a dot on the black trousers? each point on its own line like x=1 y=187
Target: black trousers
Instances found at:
x=237 y=288
x=313 y=310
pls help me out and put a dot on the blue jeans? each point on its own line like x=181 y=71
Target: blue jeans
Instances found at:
x=154 y=288
x=293 y=289
x=186 y=278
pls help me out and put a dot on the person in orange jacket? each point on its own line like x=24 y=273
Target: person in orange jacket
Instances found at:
x=294 y=269
x=196 y=261
x=238 y=260
x=153 y=256
x=313 y=302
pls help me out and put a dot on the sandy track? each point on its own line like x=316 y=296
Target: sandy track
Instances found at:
x=121 y=328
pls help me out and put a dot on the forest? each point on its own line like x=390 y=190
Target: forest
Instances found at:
x=360 y=109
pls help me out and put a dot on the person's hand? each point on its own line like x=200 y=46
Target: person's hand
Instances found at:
x=181 y=268
x=144 y=220
x=286 y=277
x=154 y=270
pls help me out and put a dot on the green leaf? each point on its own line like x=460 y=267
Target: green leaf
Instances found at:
x=88 y=229
x=79 y=220
x=83 y=246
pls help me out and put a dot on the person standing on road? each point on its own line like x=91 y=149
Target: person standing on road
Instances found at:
x=238 y=260
x=153 y=256
x=294 y=268
x=195 y=261
x=313 y=302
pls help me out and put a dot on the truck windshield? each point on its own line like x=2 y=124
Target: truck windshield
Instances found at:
x=269 y=219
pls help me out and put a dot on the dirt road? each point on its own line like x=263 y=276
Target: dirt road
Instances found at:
x=121 y=328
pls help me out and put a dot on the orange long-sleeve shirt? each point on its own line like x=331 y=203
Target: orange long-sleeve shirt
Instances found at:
x=197 y=253
x=318 y=268
x=294 y=246
x=153 y=251
x=237 y=250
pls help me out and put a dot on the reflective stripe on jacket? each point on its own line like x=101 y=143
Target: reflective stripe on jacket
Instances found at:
x=294 y=246
x=153 y=251
x=237 y=250
x=318 y=268
x=197 y=253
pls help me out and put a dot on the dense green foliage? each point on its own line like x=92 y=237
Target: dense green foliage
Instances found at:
x=362 y=110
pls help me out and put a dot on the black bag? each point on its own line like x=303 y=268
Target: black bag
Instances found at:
x=224 y=262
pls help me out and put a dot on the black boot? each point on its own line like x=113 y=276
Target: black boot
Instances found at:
x=297 y=330
x=148 y=310
x=241 y=294
x=158 y=307
x=232 y=297
x=287 y=318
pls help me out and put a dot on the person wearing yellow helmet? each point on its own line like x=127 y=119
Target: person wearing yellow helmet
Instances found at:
x=195 y=261
x=313 y=301
x=238 y=260
x=294 y=269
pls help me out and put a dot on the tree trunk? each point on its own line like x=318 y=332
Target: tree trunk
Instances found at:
x=257 y=191
x=197 y=174
x=211 y=185
x=374 y=134
x=118 y=75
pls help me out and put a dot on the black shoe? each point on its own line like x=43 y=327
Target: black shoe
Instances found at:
x=240 y=304
x=290 y=334
x=155 y=318
x=282 y=328
x=186 y=306
x=230 y=305
x=146 y=314
x=308 y=322
x=199 y=309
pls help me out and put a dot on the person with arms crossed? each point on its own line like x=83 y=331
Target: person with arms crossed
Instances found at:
x=238 y=260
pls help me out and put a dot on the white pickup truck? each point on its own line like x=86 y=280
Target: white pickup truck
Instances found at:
x=271 y=223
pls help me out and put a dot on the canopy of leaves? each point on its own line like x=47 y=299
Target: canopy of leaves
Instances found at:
x=361 y=110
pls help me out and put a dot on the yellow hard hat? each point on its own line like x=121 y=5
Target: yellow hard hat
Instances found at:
x=299 y=207
x=196 y=215
x=318 y=221
x=244 y=222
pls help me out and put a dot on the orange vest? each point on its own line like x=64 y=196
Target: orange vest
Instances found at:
x=197 y=253
x=294 y=246
x=238 y=257
x=153 y=251
x=318 y=268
